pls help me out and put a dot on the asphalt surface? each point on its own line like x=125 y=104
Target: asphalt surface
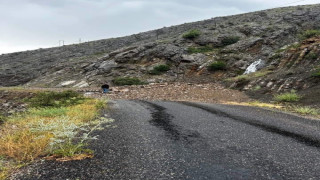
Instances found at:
x=170 y=140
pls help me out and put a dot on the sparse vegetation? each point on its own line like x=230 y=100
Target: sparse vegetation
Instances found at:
x=203 y=49
x=160 y=69
x=312 y=56
x=216 y=66
x=317 y=73
x=49 y=130
x=276 y=56
x=2 y=118
x=122 y=81
x=257 y=88
x=249 y=76
x=230 y=40
x=192 y=34
x=287 y=97
x=56 y=99
x=309 y=34
x=304 y=110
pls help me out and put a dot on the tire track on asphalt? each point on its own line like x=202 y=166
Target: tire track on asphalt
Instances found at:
x=305 y=139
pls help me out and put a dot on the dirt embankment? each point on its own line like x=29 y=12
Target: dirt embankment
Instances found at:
x=210 y=93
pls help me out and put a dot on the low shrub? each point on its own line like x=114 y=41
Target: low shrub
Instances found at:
x=230 y=40
x=55 y=99
x=101 y=104
x=312 y=56
x=287 y=97
x=204 y=49
x=317 y=73
x=192 y=34
x=309 y=34
x=219 y=65
x=122 y=81
x=160 y=69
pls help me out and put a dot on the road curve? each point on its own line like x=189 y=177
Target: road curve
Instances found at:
x=170 y=140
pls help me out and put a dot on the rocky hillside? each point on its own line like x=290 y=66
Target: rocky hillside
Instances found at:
x=218 y=49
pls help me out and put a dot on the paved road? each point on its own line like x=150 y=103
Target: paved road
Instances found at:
x=168 y=140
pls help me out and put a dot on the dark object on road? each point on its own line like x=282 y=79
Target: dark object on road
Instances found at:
x=105 y=88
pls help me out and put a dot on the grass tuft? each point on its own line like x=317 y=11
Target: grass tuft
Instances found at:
x=230 y=40
x=317 y=73
x=216 y=66
x=287 y=97
x=160 y=69
x=192 y=34
x=304 y=110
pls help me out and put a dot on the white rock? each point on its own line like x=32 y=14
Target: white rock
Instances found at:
x=257 y=65
x=66 y=83
x=81 y=84
x=124 y=90
x=88 y=94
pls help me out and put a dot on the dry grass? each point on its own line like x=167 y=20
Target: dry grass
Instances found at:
x=23 y=145
x=256 y=104
x=301 y=110
x=249 y=76
x=28 y=136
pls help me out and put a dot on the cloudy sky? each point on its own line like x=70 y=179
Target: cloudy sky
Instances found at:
x=31 y=24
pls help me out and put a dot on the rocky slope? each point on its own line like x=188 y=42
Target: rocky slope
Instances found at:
x=293 y=67
x=237 y=41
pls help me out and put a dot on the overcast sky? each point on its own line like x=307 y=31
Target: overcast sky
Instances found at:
x=31 y=24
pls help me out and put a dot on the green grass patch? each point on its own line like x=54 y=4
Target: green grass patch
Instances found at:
x=316 y=73
x=49 y=112
x=287 y=97
x=192 y=34
x=216 y=66
x=203 y=49
x=56 y=99
x=122 y=81
x=309 y=34
x=304 y=110
x=160 y=69
x=229 y=40
x=71 y=149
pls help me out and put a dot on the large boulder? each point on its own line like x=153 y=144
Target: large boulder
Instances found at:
x=107 y=66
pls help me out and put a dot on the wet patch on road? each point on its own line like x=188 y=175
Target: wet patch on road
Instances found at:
x=162 y=120
x=310 y=141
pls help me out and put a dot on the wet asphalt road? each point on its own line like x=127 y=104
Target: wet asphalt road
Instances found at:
x=168 y=140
